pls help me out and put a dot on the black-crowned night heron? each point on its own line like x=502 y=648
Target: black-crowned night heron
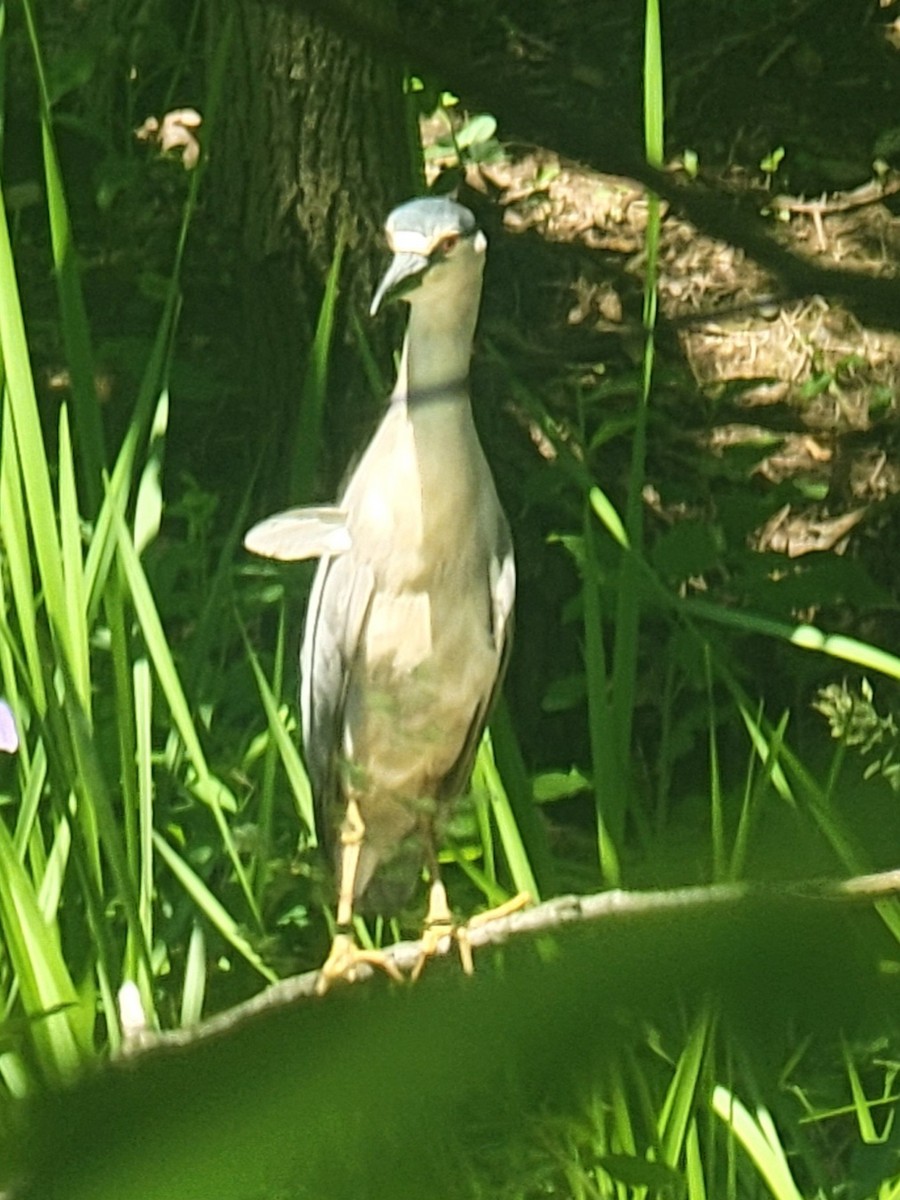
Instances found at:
x=410 y=615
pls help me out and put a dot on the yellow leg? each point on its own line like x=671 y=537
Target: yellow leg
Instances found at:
x=345 y=956
x=517 y=902
x=439 y=924
x=353 y=830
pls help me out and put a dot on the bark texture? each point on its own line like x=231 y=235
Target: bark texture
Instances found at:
x=311 y=143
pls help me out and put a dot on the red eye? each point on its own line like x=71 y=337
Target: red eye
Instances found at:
x=448 y=243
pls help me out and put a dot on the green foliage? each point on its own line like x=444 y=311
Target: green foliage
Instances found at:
x=156 y=821
x=465 y=140
x=770 y=163
x=111 y=775
x=855 y=722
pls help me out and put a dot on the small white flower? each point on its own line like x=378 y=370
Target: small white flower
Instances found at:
x=9 y=735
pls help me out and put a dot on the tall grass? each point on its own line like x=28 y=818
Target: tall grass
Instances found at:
x=136 y=846
x=111 y=744
x=711 y=1086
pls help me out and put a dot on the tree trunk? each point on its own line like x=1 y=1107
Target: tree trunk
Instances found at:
x=311 y=144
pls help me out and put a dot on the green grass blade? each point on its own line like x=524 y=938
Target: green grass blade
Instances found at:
x=760 y=1141
x=214 y=911
x=29 y=438
x=518 y=786
x=610 y=783
x=32 y=780
x=99 y=821
x=605 y=510
x=694 y=1173
x=861 y=1107
x=487 y=776
x=17 y=560
x=73 y=567
x=194 y=990
x=148 y=508
x=158 y=648
x=680 y=1102
x=806 y=637
x=204 y=785
x=628 y=607
x=286 y=745
x=653 y=84
x=716 y=799
x=767 y=746
x=268 y=792
x=143 y=715
x=46 y=988
x=307 y=446
x=75 y=329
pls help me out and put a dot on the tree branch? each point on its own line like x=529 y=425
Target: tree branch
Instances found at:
x=552 y=915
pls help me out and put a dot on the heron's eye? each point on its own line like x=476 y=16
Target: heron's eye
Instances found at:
x=445 y=245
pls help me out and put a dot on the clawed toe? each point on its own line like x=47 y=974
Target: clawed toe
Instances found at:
x=345 y=957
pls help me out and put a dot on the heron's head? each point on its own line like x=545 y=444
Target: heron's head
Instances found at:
x=438 y=252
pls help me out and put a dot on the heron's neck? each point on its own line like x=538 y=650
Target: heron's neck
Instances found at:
x=437 y=352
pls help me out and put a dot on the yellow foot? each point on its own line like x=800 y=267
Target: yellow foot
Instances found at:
x=439 y=924
x=344 y=958
x=518 y=902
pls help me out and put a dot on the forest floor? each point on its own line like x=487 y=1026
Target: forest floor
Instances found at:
x=794 y=119
x=809 y=357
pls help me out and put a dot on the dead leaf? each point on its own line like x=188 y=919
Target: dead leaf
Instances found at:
x=175 y=132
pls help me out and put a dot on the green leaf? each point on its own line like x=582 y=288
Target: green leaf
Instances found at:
x=559 y=785
x=480 y=128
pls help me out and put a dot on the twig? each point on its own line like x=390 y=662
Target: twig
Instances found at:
x=816 y=210
x=614 y=905
x=867 y=193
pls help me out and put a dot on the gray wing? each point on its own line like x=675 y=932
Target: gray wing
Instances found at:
x=502 y=582
x=335 y=617
x=300 y=533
